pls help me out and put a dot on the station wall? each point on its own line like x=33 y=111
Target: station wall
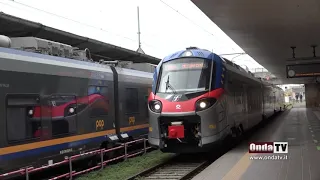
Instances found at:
x=312 y=95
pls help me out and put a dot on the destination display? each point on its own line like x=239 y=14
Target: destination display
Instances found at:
x=182 y=66
x=303 y=70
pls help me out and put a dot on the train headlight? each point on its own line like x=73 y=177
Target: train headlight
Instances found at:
x=205 y=103
x=155 y=106
x=71 y=110
x=30 y=112
x=188 y=53
x=202 y=105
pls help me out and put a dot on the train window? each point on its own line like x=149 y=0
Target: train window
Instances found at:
x=132 y=101
x=63 y=114
x=102 y=90
x=98 y=100
x=22 y=121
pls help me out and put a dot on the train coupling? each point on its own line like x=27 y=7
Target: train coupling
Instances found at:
x=176 y=131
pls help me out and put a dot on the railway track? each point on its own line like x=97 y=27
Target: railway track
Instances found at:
x=180 y=167
x=185 y=167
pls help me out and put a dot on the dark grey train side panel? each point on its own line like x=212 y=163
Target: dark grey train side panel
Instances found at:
x=134 y=89
x=27 y=76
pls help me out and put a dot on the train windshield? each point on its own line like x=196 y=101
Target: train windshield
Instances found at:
x=185 y=75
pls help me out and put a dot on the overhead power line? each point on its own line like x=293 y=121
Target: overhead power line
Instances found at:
x=69 y=19
x=88 y=25
x=66 y=18
x=204 y=29
x=187 y=18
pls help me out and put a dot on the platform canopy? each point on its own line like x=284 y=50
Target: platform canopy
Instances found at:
x=267 y=30
x=16 y=27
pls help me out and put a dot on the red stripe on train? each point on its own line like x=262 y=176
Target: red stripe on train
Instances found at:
x=184 y=106
x=57 y=111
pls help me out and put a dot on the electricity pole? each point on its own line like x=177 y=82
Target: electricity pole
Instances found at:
x=139 y=41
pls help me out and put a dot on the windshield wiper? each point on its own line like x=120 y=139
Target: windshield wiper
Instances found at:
x=168 y=85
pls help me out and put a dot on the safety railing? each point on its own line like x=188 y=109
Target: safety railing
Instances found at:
x=27 y=171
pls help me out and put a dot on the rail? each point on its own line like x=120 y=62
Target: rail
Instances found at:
x=27 y=171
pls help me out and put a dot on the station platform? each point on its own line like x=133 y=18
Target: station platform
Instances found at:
x=299 y=126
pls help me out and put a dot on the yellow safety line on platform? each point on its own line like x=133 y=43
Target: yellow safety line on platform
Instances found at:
x=238 y=169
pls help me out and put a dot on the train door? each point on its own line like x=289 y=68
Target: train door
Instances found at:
x=146 y=102
x=245 y=105
x=131 y=107
x=22 y=126
x=99 y=107
x=231 y=98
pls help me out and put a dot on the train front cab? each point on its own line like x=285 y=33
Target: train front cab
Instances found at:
x=186 y=107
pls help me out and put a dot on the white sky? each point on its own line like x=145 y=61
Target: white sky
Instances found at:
x=163 y=29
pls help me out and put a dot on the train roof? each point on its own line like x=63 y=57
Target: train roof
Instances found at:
x=48 y=52
x=194 y=52
x=133 y=72
x=203 y=53
x=13 y=26
x=47 y=59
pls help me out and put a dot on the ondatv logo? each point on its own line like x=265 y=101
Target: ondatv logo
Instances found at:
x=268 y=147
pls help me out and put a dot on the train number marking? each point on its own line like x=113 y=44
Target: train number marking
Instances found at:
x=99 y=124
x=4 y=85
x=132 y=120
x=178 y=106
x=66 y=151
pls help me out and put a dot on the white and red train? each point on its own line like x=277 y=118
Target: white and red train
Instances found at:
x=198 y=98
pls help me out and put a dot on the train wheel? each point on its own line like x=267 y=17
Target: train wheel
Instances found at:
x=236 y=131
x=241 y=129
x=93 y=161
x=233 y=132
x=234 y=137
x=264 y=117
x=240 y=133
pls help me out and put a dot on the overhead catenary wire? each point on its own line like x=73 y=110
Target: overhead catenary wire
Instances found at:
x=75 y=21
x=204 y=29
x=101 y=29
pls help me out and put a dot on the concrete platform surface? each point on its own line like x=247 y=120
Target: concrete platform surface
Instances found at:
x=300 y=127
